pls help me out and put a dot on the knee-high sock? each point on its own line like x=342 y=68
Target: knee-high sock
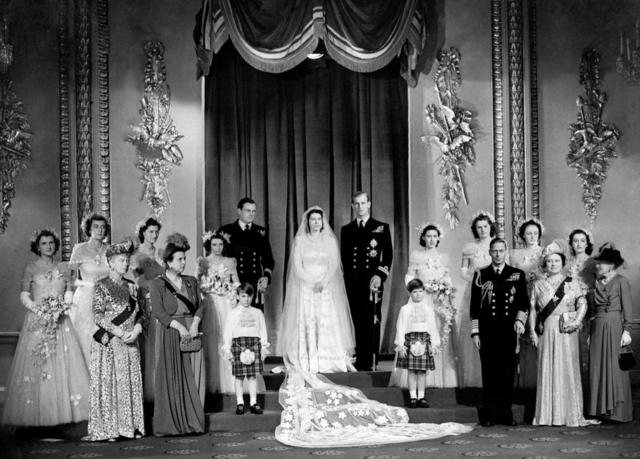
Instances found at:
x=239 y=392
x=413 y=382
x=253 y=391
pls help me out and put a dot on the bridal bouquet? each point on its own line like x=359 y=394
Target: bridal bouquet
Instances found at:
x=48 y=313
x=443 y=292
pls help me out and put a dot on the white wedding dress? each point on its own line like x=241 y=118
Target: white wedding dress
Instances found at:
x=317 y=335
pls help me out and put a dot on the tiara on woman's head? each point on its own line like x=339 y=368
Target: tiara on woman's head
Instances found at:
x=36 y=234
x=528 y=220
x=585 y=231
x=207 y=236
x=125 y=247
x=483 y=213
x=421 y=228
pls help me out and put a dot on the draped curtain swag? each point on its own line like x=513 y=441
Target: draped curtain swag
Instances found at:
x=276 y=35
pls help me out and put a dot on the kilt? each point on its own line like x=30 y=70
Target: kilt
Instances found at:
x=239 y=344
x=411 y=362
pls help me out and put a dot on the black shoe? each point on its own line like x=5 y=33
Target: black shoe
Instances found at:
x=256 y=409
x=487 y=423
x=422 y=403
x=413 y=403
x=240 y=408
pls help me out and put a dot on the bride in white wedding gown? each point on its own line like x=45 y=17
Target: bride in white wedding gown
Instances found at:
x=316 y=335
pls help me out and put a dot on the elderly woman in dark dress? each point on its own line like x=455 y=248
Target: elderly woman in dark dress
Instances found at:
x=610 y=388
x=179 y=376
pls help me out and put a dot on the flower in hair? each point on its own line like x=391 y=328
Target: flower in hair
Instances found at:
x=36 y=234
x=529 y=220
x=483 y=213
x=421 y=228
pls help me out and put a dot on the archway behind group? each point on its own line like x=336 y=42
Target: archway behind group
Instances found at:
x=309 y=136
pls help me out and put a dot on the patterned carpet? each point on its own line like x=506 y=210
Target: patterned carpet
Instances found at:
x=604 y=441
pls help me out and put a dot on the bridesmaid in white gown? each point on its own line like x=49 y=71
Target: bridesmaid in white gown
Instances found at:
x=432 y=268
x=316 y=332
x=527 y=259
x=218 y=279
x=475 y=255
x=89 y=260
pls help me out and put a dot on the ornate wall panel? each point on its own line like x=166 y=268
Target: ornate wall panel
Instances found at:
x=84 y=162
x=102 y=7
x=498 y=118
x=516 y=114
x=65 y=133
x=533 y=91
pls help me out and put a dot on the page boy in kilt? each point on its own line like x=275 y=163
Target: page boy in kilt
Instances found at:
x=245 y=343
x=416 y=337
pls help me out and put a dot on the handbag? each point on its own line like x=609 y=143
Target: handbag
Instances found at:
x=566 y=321
x=191 y=343
x=626 y=359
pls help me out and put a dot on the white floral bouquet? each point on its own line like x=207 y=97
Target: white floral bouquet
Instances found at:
x=48 y=313
x=444 y=293
x=218 y=283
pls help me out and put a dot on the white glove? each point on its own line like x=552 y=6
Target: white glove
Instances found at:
x=626 y=338
x=27 y=302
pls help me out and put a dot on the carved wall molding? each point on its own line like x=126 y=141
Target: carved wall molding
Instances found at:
x=533 y=91
x=102 y=7
x=84 y=160
x=498 y=118
x=65 y=131
x=516 y=114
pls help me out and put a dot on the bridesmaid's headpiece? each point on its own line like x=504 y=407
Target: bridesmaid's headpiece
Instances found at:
x=206 y=237
x=524 y=222
x=35 y=238
x=420 y=229
x=482 y=213
x=145 y=223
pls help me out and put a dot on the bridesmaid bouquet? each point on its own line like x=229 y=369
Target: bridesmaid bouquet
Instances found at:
x=48 y=313
x=443 y=292
x=218 y=282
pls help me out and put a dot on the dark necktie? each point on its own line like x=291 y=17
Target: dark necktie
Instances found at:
x=497 y=271
x=361 y=224
x=246 y=228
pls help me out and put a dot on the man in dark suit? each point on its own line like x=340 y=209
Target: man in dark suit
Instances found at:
x=366 y=252
x=249 y=244
x=499 y=304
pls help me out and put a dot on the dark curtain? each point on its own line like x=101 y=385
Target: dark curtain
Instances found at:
x=309 y=136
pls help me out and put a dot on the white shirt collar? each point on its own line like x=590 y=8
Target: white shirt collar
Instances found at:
x=364 y=220
x=243 y=225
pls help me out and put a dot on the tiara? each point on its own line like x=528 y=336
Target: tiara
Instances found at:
x=207 y=236
x=421 y=228
x=525 y=220
x=483 y=213
x=36 y=234
x=585 y=231
x=125 y=247
x=554 y=246
x=142 y=223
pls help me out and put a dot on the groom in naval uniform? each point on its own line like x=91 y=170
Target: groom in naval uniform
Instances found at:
x=499 y=304
x=366 y=253
x=249 y=244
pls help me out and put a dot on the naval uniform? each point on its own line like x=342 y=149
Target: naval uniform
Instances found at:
x=365 y=251
x=497 y=302
x=252 y=251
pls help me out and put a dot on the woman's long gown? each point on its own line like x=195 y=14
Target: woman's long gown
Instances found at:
x=144 y=268
x=559 y=399
x=116 y=379
x=528 y=260
x=316 y=333
x=48 y=380
x=216 y=278
x=92 y=266
x=610 y=387
x=428 y=267
x=469 y=369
